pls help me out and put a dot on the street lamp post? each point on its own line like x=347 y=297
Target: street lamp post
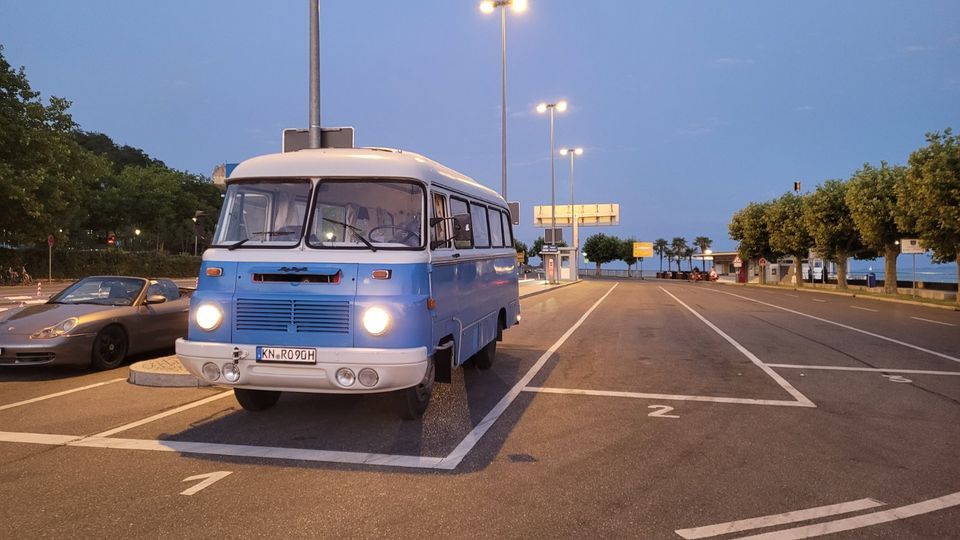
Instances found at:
x=518 y=6
x=573 y=214
x=136 y=233
x=542 y=108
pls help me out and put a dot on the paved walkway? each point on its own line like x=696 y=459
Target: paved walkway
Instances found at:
x=168 y=372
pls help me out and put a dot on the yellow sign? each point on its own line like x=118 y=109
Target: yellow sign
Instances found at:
x=521 y=256
x=642 y=249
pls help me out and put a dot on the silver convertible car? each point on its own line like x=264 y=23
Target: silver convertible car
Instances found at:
x=97 y=322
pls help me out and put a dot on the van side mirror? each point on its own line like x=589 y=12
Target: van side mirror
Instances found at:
x=462 y=229
x=156 y=299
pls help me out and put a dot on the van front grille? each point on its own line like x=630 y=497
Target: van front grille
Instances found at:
x=300 y=316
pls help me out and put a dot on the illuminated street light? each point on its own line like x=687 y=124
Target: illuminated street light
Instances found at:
x=518 y=6
x=542 y=108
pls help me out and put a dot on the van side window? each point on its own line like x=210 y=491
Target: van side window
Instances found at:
x=481 y=234
x=507 y=232
x=459 y=206
x=496 y=227
x=439 y=231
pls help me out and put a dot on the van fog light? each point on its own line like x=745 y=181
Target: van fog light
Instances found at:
x=368 y=377
x=211 y=371
x=231 y=372
x=345 y=377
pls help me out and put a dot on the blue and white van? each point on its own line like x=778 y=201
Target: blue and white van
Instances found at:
x=351 y=270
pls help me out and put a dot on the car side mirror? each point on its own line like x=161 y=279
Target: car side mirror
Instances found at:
x=156 y=299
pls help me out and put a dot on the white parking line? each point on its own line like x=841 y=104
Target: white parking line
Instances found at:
x=819 y=300
x=792 y=295
x=841 y=325
x=165 y=414
x=778 y=519
x=472 y=438
x=743 y=350
x=669 y=397
x=865 y=520
x=18 y=298
x=58 y=394
x=932 y=321
x=870 y=370
x=864 y=309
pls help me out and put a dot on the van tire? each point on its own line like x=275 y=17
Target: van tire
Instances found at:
x=412 y=402
x=485 y=356
x=256 y=400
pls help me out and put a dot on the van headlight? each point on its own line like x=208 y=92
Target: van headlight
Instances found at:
x=376 y=320
x=209 y=316
x=56 y=330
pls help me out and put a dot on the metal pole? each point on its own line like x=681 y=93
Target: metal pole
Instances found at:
x=574 y=270
x=314 y=133
x=503 y=99
x=194 y=245
x=49 y=262
x=914 y=291
x=553 y=198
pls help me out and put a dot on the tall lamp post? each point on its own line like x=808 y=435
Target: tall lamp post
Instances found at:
x=573 y=214
x=136 y=233
x=518 y=6
x=542 y=108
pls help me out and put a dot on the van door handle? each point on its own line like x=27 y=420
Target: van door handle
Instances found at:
x=456 y=255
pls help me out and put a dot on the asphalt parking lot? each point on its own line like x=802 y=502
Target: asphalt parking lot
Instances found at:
x=640 y=410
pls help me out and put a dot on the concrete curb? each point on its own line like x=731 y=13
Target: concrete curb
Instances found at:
x=163 y=372
x=550 y=288
x=847 y=294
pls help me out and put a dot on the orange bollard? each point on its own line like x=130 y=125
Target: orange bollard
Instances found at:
x=39 y=288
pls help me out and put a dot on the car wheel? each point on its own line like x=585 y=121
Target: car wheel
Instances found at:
x=485 y=356
x=412 y=402
x=256 y=400
x=109 y=348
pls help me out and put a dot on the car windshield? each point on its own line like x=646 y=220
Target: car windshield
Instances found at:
x=263 y=214
x=107 y=291
x=368 y=213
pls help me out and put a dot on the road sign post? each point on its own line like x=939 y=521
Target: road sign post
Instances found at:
x=50 y=241
x=912 y=246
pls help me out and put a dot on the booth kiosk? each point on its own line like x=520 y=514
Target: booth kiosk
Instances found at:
x=551 y=263
x=559 y=264
x=568 y=264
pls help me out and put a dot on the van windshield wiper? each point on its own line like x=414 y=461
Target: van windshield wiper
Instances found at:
x=356 y=232
x=232 y=247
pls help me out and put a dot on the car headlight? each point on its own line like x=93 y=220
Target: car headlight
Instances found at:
x=376 y=320
x=208 y=317
x=57 y=330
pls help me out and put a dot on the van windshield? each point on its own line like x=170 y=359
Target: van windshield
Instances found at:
x=368 y=213
x=263 y=214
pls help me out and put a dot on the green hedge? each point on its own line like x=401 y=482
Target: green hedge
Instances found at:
x=74 y=264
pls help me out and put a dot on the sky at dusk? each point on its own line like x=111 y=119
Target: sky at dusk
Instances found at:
x=686 y=110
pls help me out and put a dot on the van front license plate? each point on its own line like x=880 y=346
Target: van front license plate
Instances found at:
x=286 y=354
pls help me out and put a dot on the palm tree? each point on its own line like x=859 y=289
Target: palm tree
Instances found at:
x=660 y=248
x=704 y=244
x=679 y=248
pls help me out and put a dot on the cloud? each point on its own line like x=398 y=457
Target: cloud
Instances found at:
x=803 y=108
x=728 y=61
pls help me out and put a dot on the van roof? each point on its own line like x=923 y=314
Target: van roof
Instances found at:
x=346 y=162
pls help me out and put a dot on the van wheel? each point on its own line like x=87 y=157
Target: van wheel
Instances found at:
x=485 y=356
x=412 y=402
x=256 y=400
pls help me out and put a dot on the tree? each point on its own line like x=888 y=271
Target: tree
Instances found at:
x=749 y=227
x=828 y=220
x=660 y=248
x=626 y=254
x=703 y=243
x=930 y=197
x=679 y=248
x=43 y=171
x=871 y=197
x=601 y=249
x=788 y=231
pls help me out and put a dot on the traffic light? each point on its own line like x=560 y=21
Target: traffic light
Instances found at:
x=796 y=186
